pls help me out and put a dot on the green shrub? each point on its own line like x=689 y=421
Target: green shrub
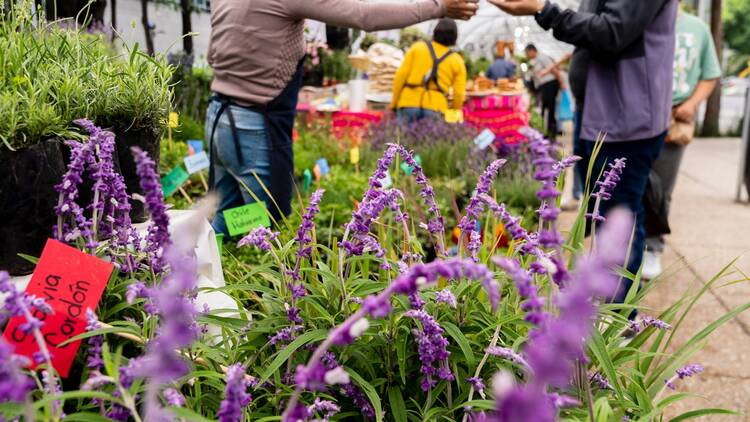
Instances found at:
x=50 y=76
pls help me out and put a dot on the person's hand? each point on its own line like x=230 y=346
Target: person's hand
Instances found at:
x=461 y=9
x=684 y=112
x=519 y=7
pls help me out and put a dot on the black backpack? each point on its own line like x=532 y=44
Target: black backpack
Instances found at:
x=432 y=75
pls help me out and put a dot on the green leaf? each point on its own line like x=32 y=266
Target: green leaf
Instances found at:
x=48 y=399
x=370 y=392
x=93 y=333
x=188 y=414
x=398 y=407
x=463 y=343
x=85 y=417
x=282 y=357
x=401 y=339
x=597 y=346
x=702 y=412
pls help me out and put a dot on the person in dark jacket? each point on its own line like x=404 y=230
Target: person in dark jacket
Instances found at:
x=621 y=77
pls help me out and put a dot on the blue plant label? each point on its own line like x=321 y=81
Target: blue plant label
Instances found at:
x=194 y=146
x=484 y=139
x=197 y=162
x=323 y=166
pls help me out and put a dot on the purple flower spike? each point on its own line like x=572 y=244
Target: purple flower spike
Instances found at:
x=94 y=360
x=174 y=398
x=303 y=237
x=468 y=223
x=601 y=381
x=14 y=384
x=508 y=354
x=447 y=297
x=682 y=373
x=432 y=348
x=158 y=232
x=606 y=186
x=260 y=237
x=236 y=396
x=554 y=348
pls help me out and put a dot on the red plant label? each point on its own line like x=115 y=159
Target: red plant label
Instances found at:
x=70 y=281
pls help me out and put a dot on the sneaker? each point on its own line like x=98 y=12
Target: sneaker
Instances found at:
x=569 y=204
x=651 y=265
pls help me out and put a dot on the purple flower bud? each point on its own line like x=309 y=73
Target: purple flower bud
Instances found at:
x=236 y=397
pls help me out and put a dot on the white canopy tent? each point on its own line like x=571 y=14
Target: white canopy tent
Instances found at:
x=478 y=35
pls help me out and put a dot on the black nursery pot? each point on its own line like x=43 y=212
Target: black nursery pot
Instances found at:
x=146 y=139
x=27 y=200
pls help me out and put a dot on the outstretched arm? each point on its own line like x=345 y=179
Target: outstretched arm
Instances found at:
x=370 y=16
x=615 y=27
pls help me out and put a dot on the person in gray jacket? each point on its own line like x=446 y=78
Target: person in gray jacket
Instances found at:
x=621 y=77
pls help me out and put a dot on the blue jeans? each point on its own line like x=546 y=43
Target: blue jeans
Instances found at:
x=234 y=180
x=640 y=156
x=413 y=114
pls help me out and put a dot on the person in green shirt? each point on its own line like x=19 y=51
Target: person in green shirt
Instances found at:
x=696 y=74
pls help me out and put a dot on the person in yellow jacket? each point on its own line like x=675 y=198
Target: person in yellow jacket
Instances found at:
x=430 y=76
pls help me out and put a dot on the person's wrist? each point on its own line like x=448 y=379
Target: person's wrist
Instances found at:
x=541 y=4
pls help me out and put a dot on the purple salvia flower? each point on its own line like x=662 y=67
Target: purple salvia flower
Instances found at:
x=326 y=408
x=433 y=349
x=260 y=237
x=311 y=376
x=682 y=373
x=52 y=387
x=601 y=381
x=285 y=335
x=174 y=398
x=94 y=360
x=469 y=222
x=447 y=297
x=606 y=186
x=14 y=384
x=561 y=401
x=82 y=154
x=478 y=385
x=157 y=238
x=303 y=237
x=236 y=396
x=553 y=349
x=508 y=354
x=350 y=390
x=648 y=321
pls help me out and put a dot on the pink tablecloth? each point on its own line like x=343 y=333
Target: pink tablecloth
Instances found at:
x=349 y=123
x=502 y=114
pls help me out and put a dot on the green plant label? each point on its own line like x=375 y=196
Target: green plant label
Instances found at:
x=242 y=220
x=407 y=168
x=306 y=180
x=172 y=181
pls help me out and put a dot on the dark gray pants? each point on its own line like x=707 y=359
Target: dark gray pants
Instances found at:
x=666 y=166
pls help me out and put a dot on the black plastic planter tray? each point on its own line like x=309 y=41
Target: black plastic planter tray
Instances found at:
x=27 y=202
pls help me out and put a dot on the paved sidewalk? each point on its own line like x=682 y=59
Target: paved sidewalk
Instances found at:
x=709 y=231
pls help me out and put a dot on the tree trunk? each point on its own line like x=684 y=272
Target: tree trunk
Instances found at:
x=147 y=27
x=713 y=107
x=113 y=17
x=187 y=26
